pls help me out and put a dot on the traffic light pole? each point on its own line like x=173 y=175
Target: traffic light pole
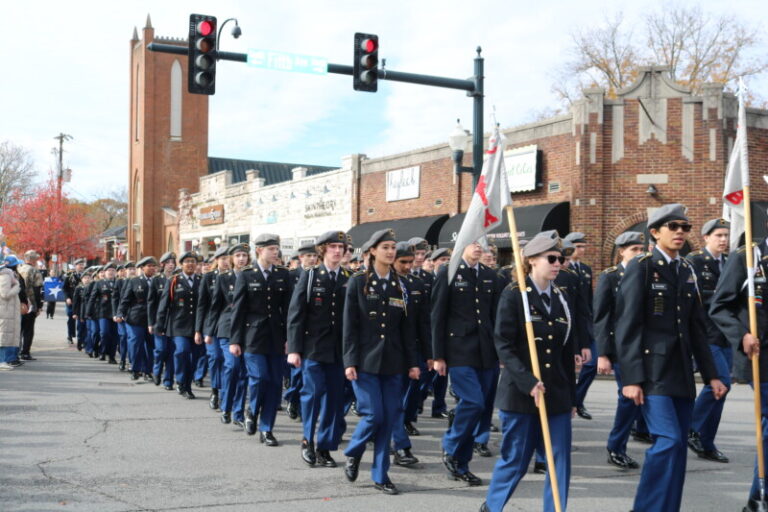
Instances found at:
x=474 y=87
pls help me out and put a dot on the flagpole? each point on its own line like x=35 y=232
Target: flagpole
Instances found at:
x=534 y=357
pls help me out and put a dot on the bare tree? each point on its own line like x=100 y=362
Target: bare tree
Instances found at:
x=16 y=171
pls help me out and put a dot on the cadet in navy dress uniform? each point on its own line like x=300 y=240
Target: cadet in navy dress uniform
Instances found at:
x=162 y=347
x=262 y=296
x=315 y=321
x=463 y=316
x=176 y=319
x=100 y=308
x=199 y=349
x=658 y=331
x=128 y=271
x=78 y=309
x=519 y=390
x=708 y=264
x=204 y=302
x=379 y=350
x=629 y=245
x=93 y=343
x=729 y=312
x=133 y=312
x=218 y=328
x=71 y=281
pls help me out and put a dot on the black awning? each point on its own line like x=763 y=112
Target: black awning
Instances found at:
x=424 y=227
x=759 y=220
x=529 y=219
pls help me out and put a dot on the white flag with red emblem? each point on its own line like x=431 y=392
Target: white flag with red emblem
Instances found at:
x=486 y=210
x=737 y=175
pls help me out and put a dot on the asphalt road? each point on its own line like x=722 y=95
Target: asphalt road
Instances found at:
x=76 y=434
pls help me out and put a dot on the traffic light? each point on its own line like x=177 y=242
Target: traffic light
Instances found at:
x=202 y=54
x=366 y=64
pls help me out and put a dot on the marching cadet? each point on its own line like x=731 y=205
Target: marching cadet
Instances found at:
x=520 y=392
x=218 y=328
x=92 y=346
x=176 y=319
x=379 y=349
x=708 y=264
x=463 y=315
x=71 y=281
x=262 y=296
x=439 y=258
x=208 y=285
x=629 y=245
x=439 y=383
x=729 y=311
x=133 y=311
x=658 y=330
x=199 y=350
x=100 y=308
x=78 y=309
x=160 y=347
x=490 y=257
x=418 y=307
x=124 y=272
x=315 y=320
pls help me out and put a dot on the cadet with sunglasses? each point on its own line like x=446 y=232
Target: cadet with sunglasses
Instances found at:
x=658 y=332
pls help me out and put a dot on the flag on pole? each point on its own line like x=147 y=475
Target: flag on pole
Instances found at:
x=486 y=209
x=737 y=175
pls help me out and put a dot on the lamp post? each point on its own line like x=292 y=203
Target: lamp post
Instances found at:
x=458 y=141
x=236 y=32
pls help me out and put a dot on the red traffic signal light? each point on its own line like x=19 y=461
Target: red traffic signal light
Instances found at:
x=365 y=71
x=202 y=54
x=206 y=28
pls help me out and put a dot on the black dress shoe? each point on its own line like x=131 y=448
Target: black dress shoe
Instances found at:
x=450 y=464
x=226 y=418
x=293 y=410
x=482 y=450
x=694 y=443
x=641 y=437
x=308 y=453
x=213 y=402
x=354 y=410
x=199 y=383
x=122 y=366
x=411 y=430
x=540 y=468
x=755 y=506
x=239 y=424
x=89 y=354
x=714 y=455
x=583 y=413
x=351 y=468
x=405 y=457
x=386 y=488
x=484 y=508
x=187 y=393
x=494 y=428
x=268 y=439
x=250 y=424
x=148 y=377
x=168 y=387
x=469 y=478
x=112 y=360
x=27 y=357
x=156 y=379
x=134 y=375
x=443 y=415
x=103 y=357
x=324 y=459
x=622 y=460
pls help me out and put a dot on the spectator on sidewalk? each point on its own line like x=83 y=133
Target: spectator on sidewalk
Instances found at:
x=33 y=282
x=12 y=306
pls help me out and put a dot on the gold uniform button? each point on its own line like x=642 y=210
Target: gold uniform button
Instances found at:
x=647 y=351
x=451 y=334
x=478 y=311
x=382 y=336
x=549 y=323
x=547 y=365
x=549 y=337
x=479 y=321
x=384 y=313
x=477 y=300
x=549 y=351
x=383 y=325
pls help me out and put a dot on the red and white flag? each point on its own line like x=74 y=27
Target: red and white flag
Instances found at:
x=486 y=210
x=737 y=175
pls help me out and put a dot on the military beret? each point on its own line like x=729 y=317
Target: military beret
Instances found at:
x=404 y=249
x=419 y=244
x=354 y=258
x=109 y=265
x=666 y=213
x=366 y=247
x=221 y=251
x=149 y=260
x=187 y=254
x=308 y=249
x=332 y=237
x=382 y=235
x=543 y=242
x=98 y=268
x=167 y=256
x=428 y=255
x=129 y=264
x=576 y=237
x=211 y=259
x=714 y=224
x=295 y=257
x=80 y=260
x=239 y=248
x=567 y=247
x=439 y=253
x=121 y=266
x=630 y=238
x=266 y=239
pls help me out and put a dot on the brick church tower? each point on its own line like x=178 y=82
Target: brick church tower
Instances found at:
x=168 y=140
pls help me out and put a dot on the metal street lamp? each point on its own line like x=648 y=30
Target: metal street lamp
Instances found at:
x=236 y=32
x=458 y=141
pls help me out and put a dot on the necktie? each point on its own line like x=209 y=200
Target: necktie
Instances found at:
x=720 y=264
x=545 y=299
x=266 y=275
x=674 y=265
x=333 y=277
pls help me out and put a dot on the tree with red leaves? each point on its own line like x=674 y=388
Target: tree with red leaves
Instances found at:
x=49 y=224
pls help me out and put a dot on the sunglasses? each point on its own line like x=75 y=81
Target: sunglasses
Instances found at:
x=674 y=226
x=552 y=259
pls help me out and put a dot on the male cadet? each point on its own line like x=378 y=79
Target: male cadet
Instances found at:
x=122 y=335
x=490 y=257
x=463 y=315
x=94 y=338
x=199 y=351
x=315 y=346
x=205 y=293
x=133 y=311
x=163 y=347
x=658 y=330
x=629 y=245
x=71 y=280
x=100 y=308
x=262 y=296
x=708 y=264
x=587 y=341
x=78 y=309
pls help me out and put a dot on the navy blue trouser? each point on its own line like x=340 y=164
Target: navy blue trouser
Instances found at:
x=322 y=399
x=292 y=395
x=234 y=380
x=122 y=337
x=199 y=360
x=265 y=376
x=626 y=414
x=483 y=430
x=163 y=356
x=92 y=341
x=439 y=389
x=412 y=395
x=183 y=360
x=215 y=361
x=108 y=331
x=754 y=492
x=137 y=348
x=71 y=322
x=82 y=333
x=707 y=411
x=586 y=376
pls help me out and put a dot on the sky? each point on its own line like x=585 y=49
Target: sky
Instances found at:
x=68 y=71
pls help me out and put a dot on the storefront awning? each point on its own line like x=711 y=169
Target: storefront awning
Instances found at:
x=529 y=219
x=424 y=227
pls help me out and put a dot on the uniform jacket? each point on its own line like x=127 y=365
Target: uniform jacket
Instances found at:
x=605 y=310
x=119 y=283
x=88 y=311
x=420 y=307
x=554 y=350
x=659 y=328
x=463 y=316
x=218 y=321
x=78 y=302
x=155 y=293
x=379 y=336
x=427 y=279
x=100 y=299
x=71 y=280
x=260 y=310
x=728 y=309
x=580 y=302
x=316 y=315
x=707 y=276
x=133 y=300
x=205 y=298
x=178 y=307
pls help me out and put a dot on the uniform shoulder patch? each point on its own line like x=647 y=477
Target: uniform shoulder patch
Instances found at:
x=610 y=269
x=644 y=256
x=359 y=273
x=513 y=286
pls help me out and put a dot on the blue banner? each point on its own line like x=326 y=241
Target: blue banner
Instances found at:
x=53 y=289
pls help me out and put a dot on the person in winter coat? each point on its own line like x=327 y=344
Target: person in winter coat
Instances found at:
x=10 y=317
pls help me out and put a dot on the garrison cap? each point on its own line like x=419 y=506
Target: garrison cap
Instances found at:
x=333 y=237
x=714 y=224
x=239 y=248
x=666 y=213
x=187 y=254
x=382 y=235
x=308 y=249
x=79 y=260
x=170 y=255
x=404 y=249
x=129 y=264
x=149 y=260
x=418 y=243
x=439 y=253
x=221 y=251
x=576 y=237
x=630 y=238
x=543 y=242
x=266 y=239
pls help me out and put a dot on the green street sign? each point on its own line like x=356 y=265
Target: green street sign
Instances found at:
x=283 y=61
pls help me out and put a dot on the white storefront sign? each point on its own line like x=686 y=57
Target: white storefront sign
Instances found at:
x=403 y=183
x=521 y=168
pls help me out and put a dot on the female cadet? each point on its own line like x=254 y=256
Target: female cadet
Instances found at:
x=520 y=392
x=379 y=348
x=215 y=358
x=218 y=324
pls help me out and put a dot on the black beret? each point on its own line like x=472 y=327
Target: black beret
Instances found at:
x=129 y=264
x=120 y=266
x=666 y=213
x=419 y=244
x=308 y=249
x=439 y=253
